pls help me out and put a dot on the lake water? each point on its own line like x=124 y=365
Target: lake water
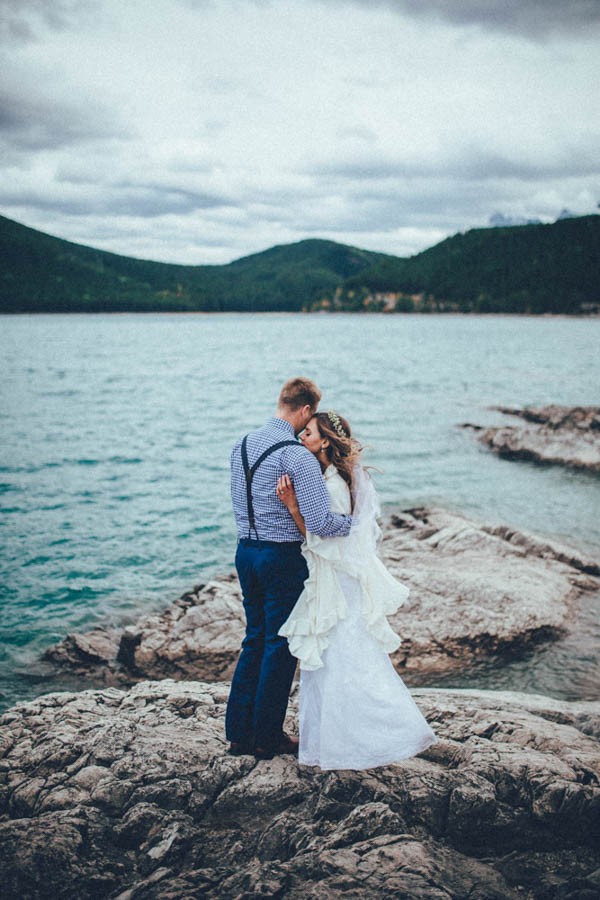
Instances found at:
x=116 y=433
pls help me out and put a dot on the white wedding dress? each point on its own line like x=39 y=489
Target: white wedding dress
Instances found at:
x=355 y=710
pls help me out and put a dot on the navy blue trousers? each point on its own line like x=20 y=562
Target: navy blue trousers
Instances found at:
x=271 y=577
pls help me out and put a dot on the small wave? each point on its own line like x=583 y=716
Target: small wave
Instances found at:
x=94 y=575
x=67 y=596
x=65 y=393
x=37 y=561
x=132 y=561
x=6 y=487
x=199 y=529
x=31 y=468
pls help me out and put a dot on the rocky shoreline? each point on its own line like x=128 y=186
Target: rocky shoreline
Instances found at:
x=560 y=435
x=476 y=590
x=128 y=794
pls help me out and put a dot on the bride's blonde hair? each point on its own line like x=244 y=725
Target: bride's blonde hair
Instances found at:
x=343 y=451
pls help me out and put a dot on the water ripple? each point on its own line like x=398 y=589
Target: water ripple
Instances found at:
x=119 y=505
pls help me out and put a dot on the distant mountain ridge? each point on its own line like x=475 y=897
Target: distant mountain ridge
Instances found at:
x=530 y=268
x=499 y=220
x=41 y=273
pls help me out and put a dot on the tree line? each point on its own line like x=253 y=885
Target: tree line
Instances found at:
x=520 y=269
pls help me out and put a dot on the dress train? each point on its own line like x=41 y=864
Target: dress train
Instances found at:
x=355 y=710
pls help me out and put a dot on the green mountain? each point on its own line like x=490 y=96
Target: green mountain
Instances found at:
x=520 y=269
x=526 y=268
x=40 y=273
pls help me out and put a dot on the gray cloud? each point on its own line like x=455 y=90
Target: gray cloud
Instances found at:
x=381 y=202
x=30 y=121
x=23 y=21
x=472 y=163
x=532 y=18
x=151 y=199
x=122 y=199
x=253 y=128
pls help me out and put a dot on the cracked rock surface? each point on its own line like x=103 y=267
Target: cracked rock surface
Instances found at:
x=128 y=794
x=564 y=435
x=476 y=590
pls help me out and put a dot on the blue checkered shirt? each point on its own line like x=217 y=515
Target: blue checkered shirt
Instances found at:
x=273 y=521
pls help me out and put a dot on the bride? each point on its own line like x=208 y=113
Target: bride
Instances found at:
x=355 y=711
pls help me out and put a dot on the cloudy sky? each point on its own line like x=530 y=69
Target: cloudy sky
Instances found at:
x=199 y=131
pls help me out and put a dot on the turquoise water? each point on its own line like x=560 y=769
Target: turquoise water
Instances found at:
x=116 y=432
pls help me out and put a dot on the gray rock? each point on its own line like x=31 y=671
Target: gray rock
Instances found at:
x=569 y=436
x=96 y=647
x=129 y=794
x=476 y=590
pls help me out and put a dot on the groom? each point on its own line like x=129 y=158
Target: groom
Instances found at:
x=271 y=567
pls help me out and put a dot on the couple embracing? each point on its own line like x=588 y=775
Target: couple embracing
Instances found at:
x=315 y=591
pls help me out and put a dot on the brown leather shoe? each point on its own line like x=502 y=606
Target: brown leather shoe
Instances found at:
x=240 y=749
x=287 y=746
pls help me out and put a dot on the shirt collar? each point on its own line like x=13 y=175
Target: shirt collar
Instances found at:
x=282 y=425
x=330 y=471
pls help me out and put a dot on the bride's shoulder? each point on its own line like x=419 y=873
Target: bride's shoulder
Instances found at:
x=359 y=475
x=332 y=476
x=333 y=479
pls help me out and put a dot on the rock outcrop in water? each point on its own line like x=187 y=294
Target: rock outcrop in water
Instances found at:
x=565 y=435
x=129 y=795
x=476 y=590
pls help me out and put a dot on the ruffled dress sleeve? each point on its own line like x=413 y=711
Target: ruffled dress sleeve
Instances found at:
x=322 y=603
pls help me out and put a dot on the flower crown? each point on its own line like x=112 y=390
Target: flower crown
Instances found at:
x=335 y=421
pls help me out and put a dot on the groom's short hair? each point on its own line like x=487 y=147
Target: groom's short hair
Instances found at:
x=299 y=392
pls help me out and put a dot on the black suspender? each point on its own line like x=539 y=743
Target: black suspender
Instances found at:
x=249 y=473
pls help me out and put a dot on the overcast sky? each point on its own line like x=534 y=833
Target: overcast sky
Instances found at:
x=199 y=131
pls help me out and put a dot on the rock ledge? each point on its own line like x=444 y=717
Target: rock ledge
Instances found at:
x=476 y=590
x=128 y=794
x=564 y=435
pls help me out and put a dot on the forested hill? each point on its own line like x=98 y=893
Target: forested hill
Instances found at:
x=520 y=269
x=528 y=268
x=40 y=273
